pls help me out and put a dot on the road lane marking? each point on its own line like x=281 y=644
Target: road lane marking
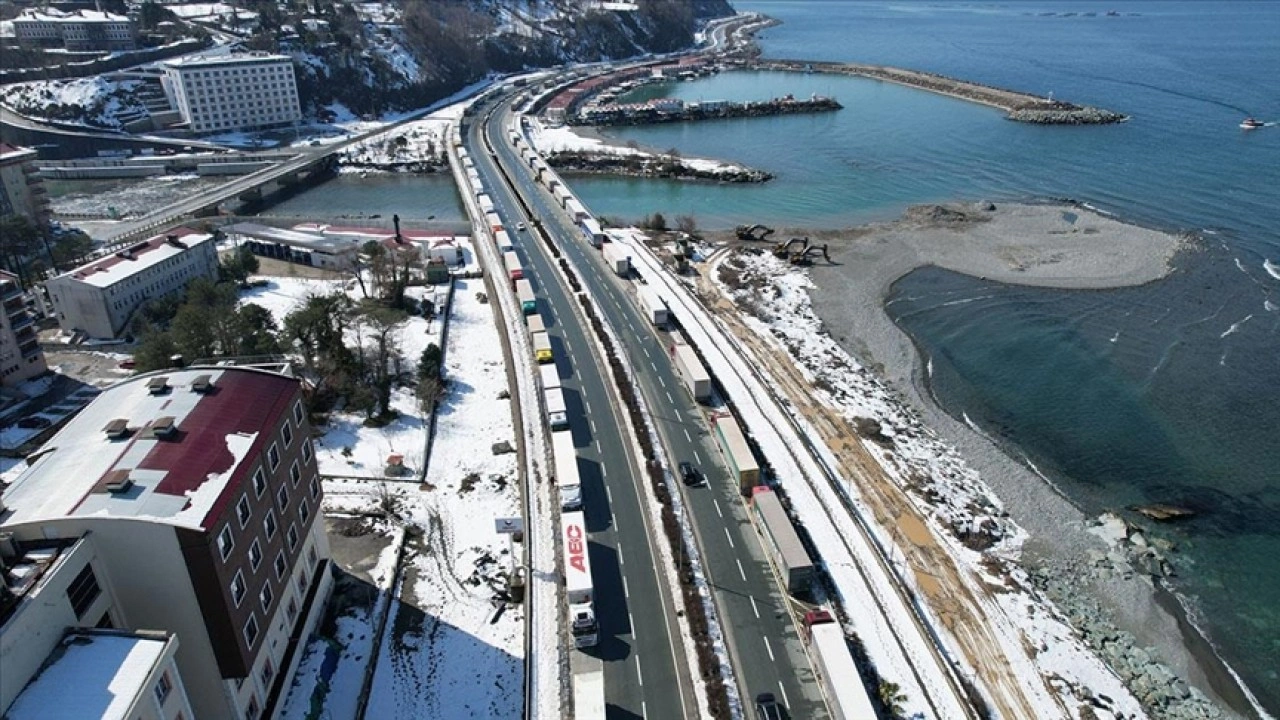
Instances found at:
x=604 y=472
x=687 y=436
x=593 y=426
x=769 y=647
x=626 y=590
x=639 y=675
x=671 y=399
x=785 y=700
x=661 y=381
x=586 y=406
x=728 y=537
x=678 y=415
x=754 y=608
x=618 y=547
x=644 y=709
x=646 y=352
x=655 y=367
x=696 y=457
x=741 y=572
x=717 y=504
x=609 y=494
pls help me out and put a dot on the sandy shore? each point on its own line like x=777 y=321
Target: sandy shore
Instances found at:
x=1059 y=246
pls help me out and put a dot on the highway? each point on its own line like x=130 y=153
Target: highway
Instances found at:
x=639 y=638
x=765 y=646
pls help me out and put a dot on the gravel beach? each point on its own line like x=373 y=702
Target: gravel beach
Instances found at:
x=1051 y=245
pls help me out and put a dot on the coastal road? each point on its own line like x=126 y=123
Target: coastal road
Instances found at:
x=639 y=634
x=766 y=650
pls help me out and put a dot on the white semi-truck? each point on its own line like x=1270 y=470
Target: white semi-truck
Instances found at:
x=846 y=696
x=579 y=590
x=618 y=258
x=567 y=480
x=652 y=304
x=691 y=372
x=557 y=414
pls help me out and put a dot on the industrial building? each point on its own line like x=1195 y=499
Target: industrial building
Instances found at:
x=236 y=91
x=98 y=299
x=79 y=30
x=183 y=502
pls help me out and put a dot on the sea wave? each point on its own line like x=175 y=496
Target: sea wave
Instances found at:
x=1272 y=269
x=1235 y=326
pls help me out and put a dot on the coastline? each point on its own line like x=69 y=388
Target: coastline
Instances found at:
x=1092 y=252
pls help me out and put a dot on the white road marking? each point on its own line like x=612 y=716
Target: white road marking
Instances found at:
x=593 y=429
x=677 y=412
x=754 y=609
x=687 y=436
x=604 y=472
x=728 y=537
x=740 y=570
x=618 y=545
x=609 y=494
x=639 y=675
x=655 y=367
x=661 y=381
x=671 y=399
x=625 y=589
x=717 y=504
x=646 y=352
x=786 y=700
x=644 y=709
x=696 y=457
x=769 y=647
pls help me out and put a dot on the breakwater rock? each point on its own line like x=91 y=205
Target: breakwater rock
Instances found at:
x=652 y=166
x=643 y=115
x=1059 y=113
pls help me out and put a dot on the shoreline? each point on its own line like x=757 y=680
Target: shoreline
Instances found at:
x=849 y=299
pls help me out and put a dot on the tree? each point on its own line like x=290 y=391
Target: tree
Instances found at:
x=687 y=224
x=238 y=265
x=891 y=697
x=383 y=324
x=257 y=331
x=70 y=247
x=20 y=241
x=154 y=351
x=656 y=221
x=431 y=365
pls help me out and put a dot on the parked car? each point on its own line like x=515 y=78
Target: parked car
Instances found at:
x=767 y=707
x=127 y=364
x=520 y=226
x=689 y=474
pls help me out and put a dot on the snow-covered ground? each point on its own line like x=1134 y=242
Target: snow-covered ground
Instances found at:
x=92 y=101
x=547 y=139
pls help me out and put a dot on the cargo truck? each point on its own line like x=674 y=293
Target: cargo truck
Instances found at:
x=737 y=453
x=579 y=590
x=592 y=232
x=576 y=210
x=789 y=557
x=524 y=294
x=691 y=372
x=550 y=376
x=542 y=348
x=557 y=414
x=618 y=258
x=485 y=202
x=655 y=308
x=503 y=241
x=847 y=697
x=535 y=324
x=511 y=262
x=494 y=222
x=566 y=467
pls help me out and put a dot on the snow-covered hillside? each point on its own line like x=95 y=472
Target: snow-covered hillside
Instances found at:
x=93 y=101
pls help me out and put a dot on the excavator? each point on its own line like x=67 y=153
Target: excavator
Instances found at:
x=748 y=232
x=783 y=250
x=805 y=257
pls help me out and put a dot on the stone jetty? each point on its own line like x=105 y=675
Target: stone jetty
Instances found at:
x=654 y=112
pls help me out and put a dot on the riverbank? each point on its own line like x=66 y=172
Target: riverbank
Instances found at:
x=1116 y=608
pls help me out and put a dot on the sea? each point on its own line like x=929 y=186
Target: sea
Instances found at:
x=1168 y=392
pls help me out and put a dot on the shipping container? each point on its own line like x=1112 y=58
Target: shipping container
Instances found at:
x=511 y=262
x=846 y=695
x=535 y=324
x=655 y=308
x=737 y=453
x=550 y=376
x=618 y=258
x=592 y=232
x=503 y=241
x=557 y=413
x=785 y=550
x=691 y=372
x=576 y=209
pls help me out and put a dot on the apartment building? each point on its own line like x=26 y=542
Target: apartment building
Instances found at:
x=100 y=297
x=198 y=491
x=80 y=30
x=238 y=91
x=20 y=355
x=21 y=190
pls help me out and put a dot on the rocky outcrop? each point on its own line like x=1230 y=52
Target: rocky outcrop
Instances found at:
x=649 y=166
x=1161 y=512
x=1064 y=114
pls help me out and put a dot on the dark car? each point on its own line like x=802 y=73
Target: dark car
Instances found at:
x=767 y=707
x=689 y=474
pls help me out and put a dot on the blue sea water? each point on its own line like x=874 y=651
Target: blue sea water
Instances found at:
x=1164 y=393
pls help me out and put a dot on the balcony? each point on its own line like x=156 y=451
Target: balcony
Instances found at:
x=29 y=348
x=10 y=291
x=17 y=322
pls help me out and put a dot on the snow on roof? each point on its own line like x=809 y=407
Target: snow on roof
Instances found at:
x=13 y=152
x=54 y=15
x=110 y=270
x=207 y=60
x=199 y=11
x=91 y=675
x=295 y=238
x=183 y=478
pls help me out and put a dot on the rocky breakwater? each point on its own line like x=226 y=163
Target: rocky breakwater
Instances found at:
x=653 y=166
x=1060 y=113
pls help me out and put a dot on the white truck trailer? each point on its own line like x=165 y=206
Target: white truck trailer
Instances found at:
x=557 y=414
x=579 y=590
x=652 y=304
x=691 y=372
x=550 y=376
x=591 y=231
x=618 y=258
x=576 y=210
x=566 y=468
x=846 y=696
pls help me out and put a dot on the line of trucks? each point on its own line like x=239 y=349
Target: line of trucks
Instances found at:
x=825 y=639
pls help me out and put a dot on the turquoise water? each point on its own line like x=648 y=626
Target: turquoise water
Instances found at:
x=413 y=197
x=1168 y=392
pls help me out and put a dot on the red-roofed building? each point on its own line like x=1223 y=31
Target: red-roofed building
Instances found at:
x=200 y=491
x=100 y=297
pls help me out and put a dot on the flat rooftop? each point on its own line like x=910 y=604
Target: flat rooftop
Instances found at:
x=207 y=61
x=174 y=455
x=90 y=675
x=124 y=264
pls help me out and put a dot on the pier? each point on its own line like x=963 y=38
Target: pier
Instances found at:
x=667 y=110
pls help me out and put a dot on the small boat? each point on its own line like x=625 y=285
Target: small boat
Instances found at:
x=1251 y=124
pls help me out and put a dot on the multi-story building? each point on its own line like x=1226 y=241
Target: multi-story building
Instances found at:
x=21 y=191
x=79 y=30
x=198 y=491
x=100 y=297
x=20 y=355
x=238 y=91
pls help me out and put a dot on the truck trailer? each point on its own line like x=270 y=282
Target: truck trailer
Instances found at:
x=524 y=294
x=576 y=209
x=579 y=590
x=655 y=309
x=736 y=451
x=847 y=697
x=592 y=232
x=789 y=557
x=503 y=241
x=542 y=348
x=550 y=376
x=567 y=480
x=691 y=372
x=557 y=414
x=511 y=262
x=535 y=324
x=618 y=258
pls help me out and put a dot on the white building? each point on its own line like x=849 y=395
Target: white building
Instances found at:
x=99 y=298
x=183 y=501
x=20 y=355
x=239 y=91
x=79 y=30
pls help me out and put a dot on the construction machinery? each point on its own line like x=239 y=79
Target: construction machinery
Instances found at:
x=805 y=257
x=749 y=232
x=783 y=250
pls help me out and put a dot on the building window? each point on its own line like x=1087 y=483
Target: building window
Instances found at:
x=83 y=590
x=286 y=433
x=269 y=525
x=251 y=712
x=295 y=474
x=297 y=413
x=302 y=583
x=315 y=487
x=225 y=542
x=259 y=482
x=281 y=565
x=311 y=555
x=282 y=495
x=306 y=451
x=273 y=457
x=304 y=512
x=238 y=588
x=251 y=630
x=266 y=596
x=292 y=609
x=292 y=537
x=255 y=555
x=163 y=686
x=243 y=512
x=268 y=672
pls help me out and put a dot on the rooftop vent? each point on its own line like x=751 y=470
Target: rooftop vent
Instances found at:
x=202 y=384
x=164 y=427
x=117 y=481
x=174 y=241
x=158 y=385
x=117 y=428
